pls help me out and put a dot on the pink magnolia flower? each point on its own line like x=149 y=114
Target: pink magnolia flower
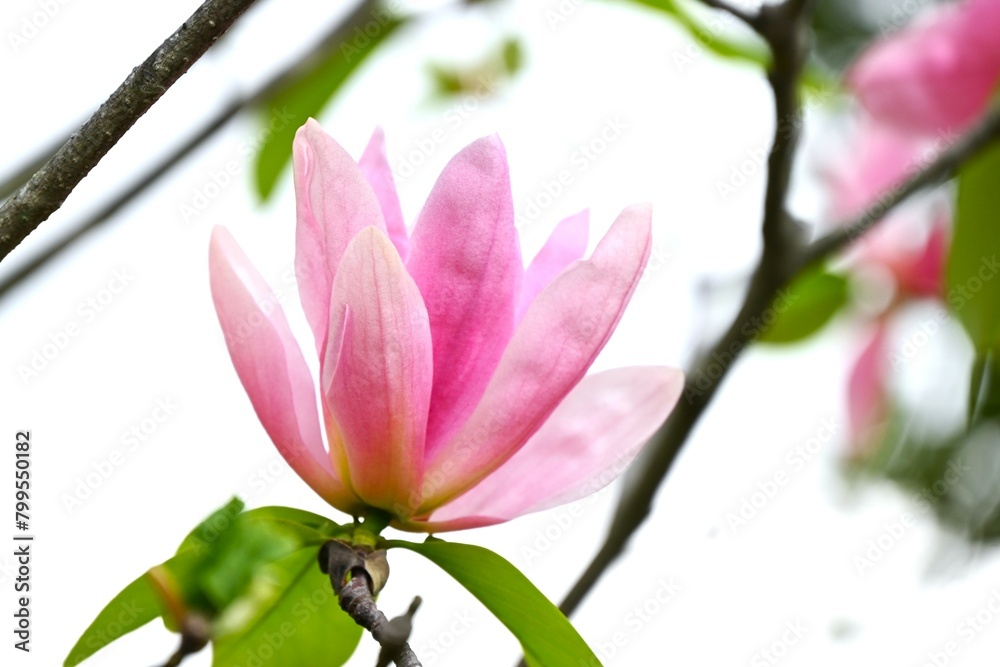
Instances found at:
x=451 y=378
x=937 y=74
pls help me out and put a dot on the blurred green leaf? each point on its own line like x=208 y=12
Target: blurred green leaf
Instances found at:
x=974 y=259
x=230 y=569
x=481 y=78
x=308 y=95
x=294 y=620
x=711 y=36
x=546 y=635
x=984 y=388
x=804 y=308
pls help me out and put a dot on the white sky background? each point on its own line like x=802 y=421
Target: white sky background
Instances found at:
x=685 y=129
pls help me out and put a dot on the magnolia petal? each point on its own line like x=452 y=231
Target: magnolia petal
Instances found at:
x=271 y=367
x=561 y=333
x=334 y=201
x=566 y=244
x=375 y=166
x=377 y=379
x=590 y=439
x=867 y=405
x=465 y=258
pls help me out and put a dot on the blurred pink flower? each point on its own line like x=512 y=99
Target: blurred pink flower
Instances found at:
x=451 y=378
x=937 y=74
x=867 y=401
x=910 y=250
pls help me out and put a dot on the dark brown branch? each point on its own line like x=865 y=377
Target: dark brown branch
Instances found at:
x=45 y=192
x=785 y=28
x=355 y=589
x=942 y=168
x=338 y=34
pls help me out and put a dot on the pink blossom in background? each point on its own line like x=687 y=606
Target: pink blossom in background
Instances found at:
x=867 y=398
x=451 y=379
x=910 y=246
x=937 y=74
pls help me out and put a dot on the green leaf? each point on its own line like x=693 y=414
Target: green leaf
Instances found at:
x=984 y=388
x=307 y=95
x=295 y=620
x=804 y=308
x=546 y=635
x=225 y=569
x=973 y=288
x=712 y=39
x=135 y=606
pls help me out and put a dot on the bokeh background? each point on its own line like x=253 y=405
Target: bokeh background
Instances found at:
x=662 y=120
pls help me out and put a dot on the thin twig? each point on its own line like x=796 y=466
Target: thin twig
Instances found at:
x=785 y=28
x=750 y=18
x=341 y=31
x=943 y=167
x=45 y=192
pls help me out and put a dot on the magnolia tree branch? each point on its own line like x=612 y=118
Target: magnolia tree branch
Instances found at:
x=356 y=578
x=984 y=134
x=785 y=27
x=46 y=191
x=340 y=33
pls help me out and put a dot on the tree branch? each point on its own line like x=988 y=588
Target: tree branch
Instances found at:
x=338 y=34
x=355 y=587
x=750 y=18
x=45 y=192
x=985 y=133
x=785 y=28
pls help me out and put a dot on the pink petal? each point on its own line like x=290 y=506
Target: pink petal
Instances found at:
x=334 y=202
x=867 y=406
x=377 y=379
x=880 y=157
x=567 y=244
x=271 y=367
x=465 y=258
x=937 y=74
x=590 y=439
x=561 y=333
x=375 y=166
